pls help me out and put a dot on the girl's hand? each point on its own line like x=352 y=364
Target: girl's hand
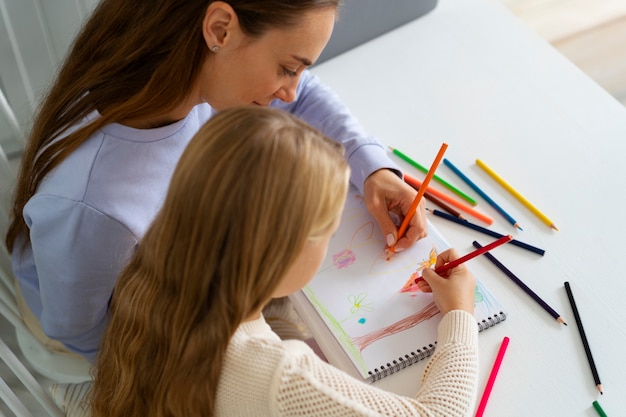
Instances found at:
x=454 y=289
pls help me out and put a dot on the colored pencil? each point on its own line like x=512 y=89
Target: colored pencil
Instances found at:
x=599 y=409
x=523 y=286
x=440 y=180
x=583 y=336
x=486 y=231
x=414 y=182
x=420 y=194
x=480 y=192
x=545 y=219
x=483 y=249
x=492 y=377
x=452 y=212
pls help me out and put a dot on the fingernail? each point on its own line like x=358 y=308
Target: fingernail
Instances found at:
x=397 y=249
x=390 y=239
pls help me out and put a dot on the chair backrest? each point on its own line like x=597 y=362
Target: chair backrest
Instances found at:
x=35 y=401
x=363 y=20
x=48 y=366
x=19 y=383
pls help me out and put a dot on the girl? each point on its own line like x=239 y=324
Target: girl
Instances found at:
x=187 y=336
x=140 y=80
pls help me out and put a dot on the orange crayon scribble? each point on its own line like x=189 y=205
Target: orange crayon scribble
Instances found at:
x=410 y=285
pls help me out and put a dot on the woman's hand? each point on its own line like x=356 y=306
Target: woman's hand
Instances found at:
x=385 y=192
x=454 y=289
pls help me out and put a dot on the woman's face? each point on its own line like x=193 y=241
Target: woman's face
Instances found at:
x=248 y=71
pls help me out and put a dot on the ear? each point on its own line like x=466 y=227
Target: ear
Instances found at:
x=220 y=24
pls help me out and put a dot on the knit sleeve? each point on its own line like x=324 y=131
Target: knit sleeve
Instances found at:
x=305 y=385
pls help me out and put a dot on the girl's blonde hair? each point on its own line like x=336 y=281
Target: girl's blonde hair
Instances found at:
x=251 y=188
x=133 y=59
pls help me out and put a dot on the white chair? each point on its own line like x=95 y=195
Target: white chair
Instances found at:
x=8 y=309
x=34 y=388
x=56 y=366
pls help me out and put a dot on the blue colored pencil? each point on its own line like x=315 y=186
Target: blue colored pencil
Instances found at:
x=482 y=193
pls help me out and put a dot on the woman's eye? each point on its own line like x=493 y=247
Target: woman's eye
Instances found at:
x=289 y=73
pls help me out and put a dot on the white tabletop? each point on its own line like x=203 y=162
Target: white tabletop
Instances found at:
x=471 y=75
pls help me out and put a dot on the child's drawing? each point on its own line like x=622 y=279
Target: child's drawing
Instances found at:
x=413 y=320
x=356 y=291
x=359 y=303
x=346 y=257
x=410 y=285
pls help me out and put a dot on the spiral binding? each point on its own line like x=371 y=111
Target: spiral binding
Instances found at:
x=401 y=363
x=491 y=321
x=424 y=352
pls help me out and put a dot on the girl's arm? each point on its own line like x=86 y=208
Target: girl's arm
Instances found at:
x=448 y=385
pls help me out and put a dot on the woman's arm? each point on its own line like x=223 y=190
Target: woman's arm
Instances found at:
x=371 y=167
x=78 y=253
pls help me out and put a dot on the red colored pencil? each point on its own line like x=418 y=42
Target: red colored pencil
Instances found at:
x=420 y=193
x=492 y=377
x=414 y=182
x=479 y=251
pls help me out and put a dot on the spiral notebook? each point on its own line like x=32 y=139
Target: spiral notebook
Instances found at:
x=361 y=307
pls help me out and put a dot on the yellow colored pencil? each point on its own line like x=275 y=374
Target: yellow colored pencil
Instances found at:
x=545 y=219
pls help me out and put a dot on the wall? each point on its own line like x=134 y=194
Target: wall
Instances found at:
x=34 y=35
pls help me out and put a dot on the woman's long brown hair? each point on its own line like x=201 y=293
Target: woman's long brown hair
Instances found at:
x=249 y=191
x=132 y=60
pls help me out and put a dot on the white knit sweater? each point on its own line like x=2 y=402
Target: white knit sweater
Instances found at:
x=264 y=376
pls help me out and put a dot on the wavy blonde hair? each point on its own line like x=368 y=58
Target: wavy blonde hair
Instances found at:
x=251 y=188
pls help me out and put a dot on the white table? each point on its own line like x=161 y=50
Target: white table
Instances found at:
x=472 y=75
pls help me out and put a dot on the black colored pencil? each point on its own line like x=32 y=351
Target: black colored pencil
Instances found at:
x=523 y=286
x=583 y=337
x=483 y=230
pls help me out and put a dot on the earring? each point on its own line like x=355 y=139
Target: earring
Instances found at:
x=215 y=48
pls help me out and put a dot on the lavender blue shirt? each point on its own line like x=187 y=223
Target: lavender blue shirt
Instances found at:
x=89 y=213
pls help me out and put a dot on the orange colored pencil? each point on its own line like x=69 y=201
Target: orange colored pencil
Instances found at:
x=414 y=182
x=420 y=193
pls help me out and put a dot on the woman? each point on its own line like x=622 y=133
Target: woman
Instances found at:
x=140 y=80
x=187 y=336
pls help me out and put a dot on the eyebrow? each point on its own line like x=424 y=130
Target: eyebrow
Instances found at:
x=304 y=61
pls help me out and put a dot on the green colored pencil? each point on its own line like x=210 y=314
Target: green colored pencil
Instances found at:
x=435 y=177
x=599 y=409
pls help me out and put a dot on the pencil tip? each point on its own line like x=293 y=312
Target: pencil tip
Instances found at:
x=554 y=227
x=599 y=386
